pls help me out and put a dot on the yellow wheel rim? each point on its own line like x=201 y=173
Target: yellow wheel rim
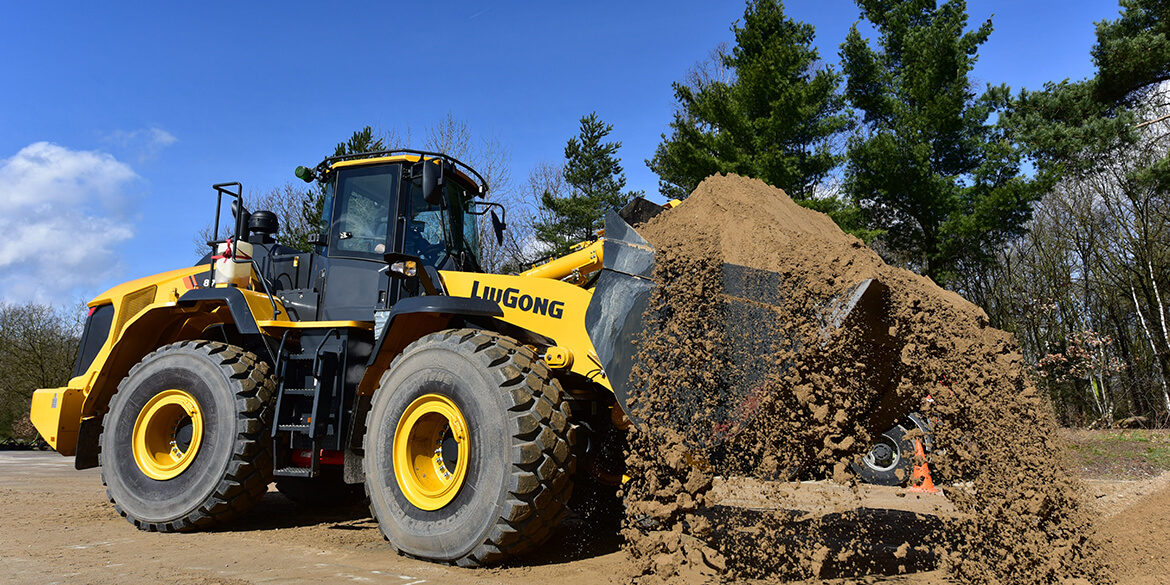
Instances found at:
x=167 y=434
x=431 y=451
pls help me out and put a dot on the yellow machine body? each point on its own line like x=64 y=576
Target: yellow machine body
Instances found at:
x=549 y=300
x=551 y=308
x=147 y=316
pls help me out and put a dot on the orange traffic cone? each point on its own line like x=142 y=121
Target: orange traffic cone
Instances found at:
x=920 y=479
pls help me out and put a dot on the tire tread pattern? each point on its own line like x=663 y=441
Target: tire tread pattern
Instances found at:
x=250 y=470
x=543 y=460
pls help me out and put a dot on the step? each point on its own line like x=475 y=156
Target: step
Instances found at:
x=298 y=357
x=293 y=472
x=298 y=392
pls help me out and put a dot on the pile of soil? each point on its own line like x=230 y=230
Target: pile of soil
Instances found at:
x=807 y=404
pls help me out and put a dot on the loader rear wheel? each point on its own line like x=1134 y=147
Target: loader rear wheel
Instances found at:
x=184 y=445
x=468 y=449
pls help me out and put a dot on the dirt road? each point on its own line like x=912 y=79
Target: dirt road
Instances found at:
x=57 y=527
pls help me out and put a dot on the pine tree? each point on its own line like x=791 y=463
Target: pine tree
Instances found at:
x=313 y=205
x=773 y=119
x=1076 y=127
x=943 y=183
x=595 y=178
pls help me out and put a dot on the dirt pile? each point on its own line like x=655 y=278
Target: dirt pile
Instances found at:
x=748 y=367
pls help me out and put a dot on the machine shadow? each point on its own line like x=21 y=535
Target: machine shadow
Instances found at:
x=276 y=511
x=577 y=538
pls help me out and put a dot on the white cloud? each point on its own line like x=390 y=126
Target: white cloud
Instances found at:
x=62 y=212
x=146 y=144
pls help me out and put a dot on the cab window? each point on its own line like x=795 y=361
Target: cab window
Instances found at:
x=362 y=207
x=441 y=234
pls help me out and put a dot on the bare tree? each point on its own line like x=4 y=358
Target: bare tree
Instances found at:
x=287 y=201
x=710 y=70
x=488 y=155
x=1085 y=288
x=38 y=348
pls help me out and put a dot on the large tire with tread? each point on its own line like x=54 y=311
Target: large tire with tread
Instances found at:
x=519 y=462
x=221 y=475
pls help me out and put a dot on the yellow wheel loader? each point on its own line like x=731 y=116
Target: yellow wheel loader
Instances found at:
x=466 y=403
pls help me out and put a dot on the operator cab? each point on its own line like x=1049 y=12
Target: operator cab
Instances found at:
x=422 y=205
x=365 y=217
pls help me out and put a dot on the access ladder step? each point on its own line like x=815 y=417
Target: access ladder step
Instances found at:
x=293 y=472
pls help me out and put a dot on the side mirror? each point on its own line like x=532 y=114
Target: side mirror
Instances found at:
x=432 y=179
x=498 y=226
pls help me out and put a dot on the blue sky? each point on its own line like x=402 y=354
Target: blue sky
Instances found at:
x=116 y=117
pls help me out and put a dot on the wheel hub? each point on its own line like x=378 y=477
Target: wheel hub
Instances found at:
x=167 y=434
x=884 y=455
x=430 y=453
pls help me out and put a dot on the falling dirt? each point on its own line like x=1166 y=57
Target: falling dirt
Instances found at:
x=746 y=369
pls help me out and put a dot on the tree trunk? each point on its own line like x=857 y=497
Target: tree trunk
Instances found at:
x=1161 y=307
x=1153 y=348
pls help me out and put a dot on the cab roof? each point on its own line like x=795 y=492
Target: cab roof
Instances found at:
x=463 y=172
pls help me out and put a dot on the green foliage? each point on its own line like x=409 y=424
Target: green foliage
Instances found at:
x=38 y=347
x=1078 y=127
x=594 y=176
x=1133 y=52
x=931 y=171
x=773 y=119
x=361 y=142
x=1065 y=129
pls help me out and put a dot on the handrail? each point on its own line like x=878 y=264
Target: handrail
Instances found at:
x=221 y=189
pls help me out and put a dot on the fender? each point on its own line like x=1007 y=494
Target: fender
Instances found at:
x=237 y=304
x=411 y=318
x=153 y=327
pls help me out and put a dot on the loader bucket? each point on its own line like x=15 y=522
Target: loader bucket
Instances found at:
x=754 y=327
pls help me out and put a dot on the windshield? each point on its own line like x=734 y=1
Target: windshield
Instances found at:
x=364 y=204
x=443 y=235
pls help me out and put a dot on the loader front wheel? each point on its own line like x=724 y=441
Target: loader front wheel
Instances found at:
x=184 y=443
x=468 y=449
